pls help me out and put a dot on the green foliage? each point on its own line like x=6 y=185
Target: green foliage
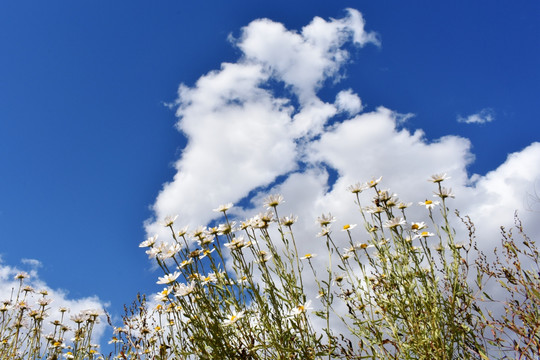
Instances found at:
x=242 y=291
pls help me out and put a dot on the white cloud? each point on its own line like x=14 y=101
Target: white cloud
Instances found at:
x=242 y=137
x=495 y=197
x=32 y=262
x=303 y=60
x=483 y=116
x=348 y=102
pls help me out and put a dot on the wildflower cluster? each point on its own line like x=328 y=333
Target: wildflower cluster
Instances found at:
x=231 y=291
x=27 y=314
x=398 y=286
x=402 y=291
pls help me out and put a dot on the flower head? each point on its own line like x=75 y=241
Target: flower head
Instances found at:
x=429 y=204
x=163 y=295
x=394 y=222
x=264 y=257
x=403 y=205
x=205 y=241
x=374 y=209
x=199 y=232
x=325 y=231
x=183 y=289
x=233 y=318
x=185 y=263
x=444 y=193
x=348 y=227
x=237 y=243
x=205 y=253
x=302 y=308
x=363 y=246
x=424 y=234
x=262 y=220
x=273 y=200
x=168 y=278
x=357 y=188
x=171 y=251
x=149 y=242
x=437 y=178
x=223 y=208
x=224 y=229
x=373 y=182
x=22 y=275
x=289 y=220
x=182 y=232
x=308 y=256
x=325 y=220
x=155 y=251
x=169 y=220
x=415 y=226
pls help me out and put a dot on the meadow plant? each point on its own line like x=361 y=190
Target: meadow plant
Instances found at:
x=241 y=290
x=25 y=317
x=236 y=291
x=516 y=271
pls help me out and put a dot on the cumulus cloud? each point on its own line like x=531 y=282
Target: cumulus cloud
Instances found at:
x=248 y=137
x=483 y=116
x=304 y=60
x=348 y=102
x=241 y=136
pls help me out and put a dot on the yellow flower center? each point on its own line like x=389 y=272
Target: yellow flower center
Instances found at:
x=345 y=227
x=429 y=202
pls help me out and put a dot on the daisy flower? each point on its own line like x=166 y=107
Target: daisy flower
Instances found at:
x=437 y=178
x=22 y=275
x=415 y=226
x=300 y=309
x=273 y=200
x=394 y=222
x=363 y=246
x=325 y=230
x=424 y=234
x=429 y=204
x=373 y=182
x=444 y=193
x=289 y=220
x=183 y=231
x=223 y=208
x=168 y=278
x=348 y=227
x=185 y=263
x=325 y=220
x=149 y=242
x=402 y=205
x=357 y=188
x=183 y=289
x=169 y=220
x=233 y=318
x=205 y=253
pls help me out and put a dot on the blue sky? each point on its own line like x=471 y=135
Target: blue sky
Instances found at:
x=87 y=141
